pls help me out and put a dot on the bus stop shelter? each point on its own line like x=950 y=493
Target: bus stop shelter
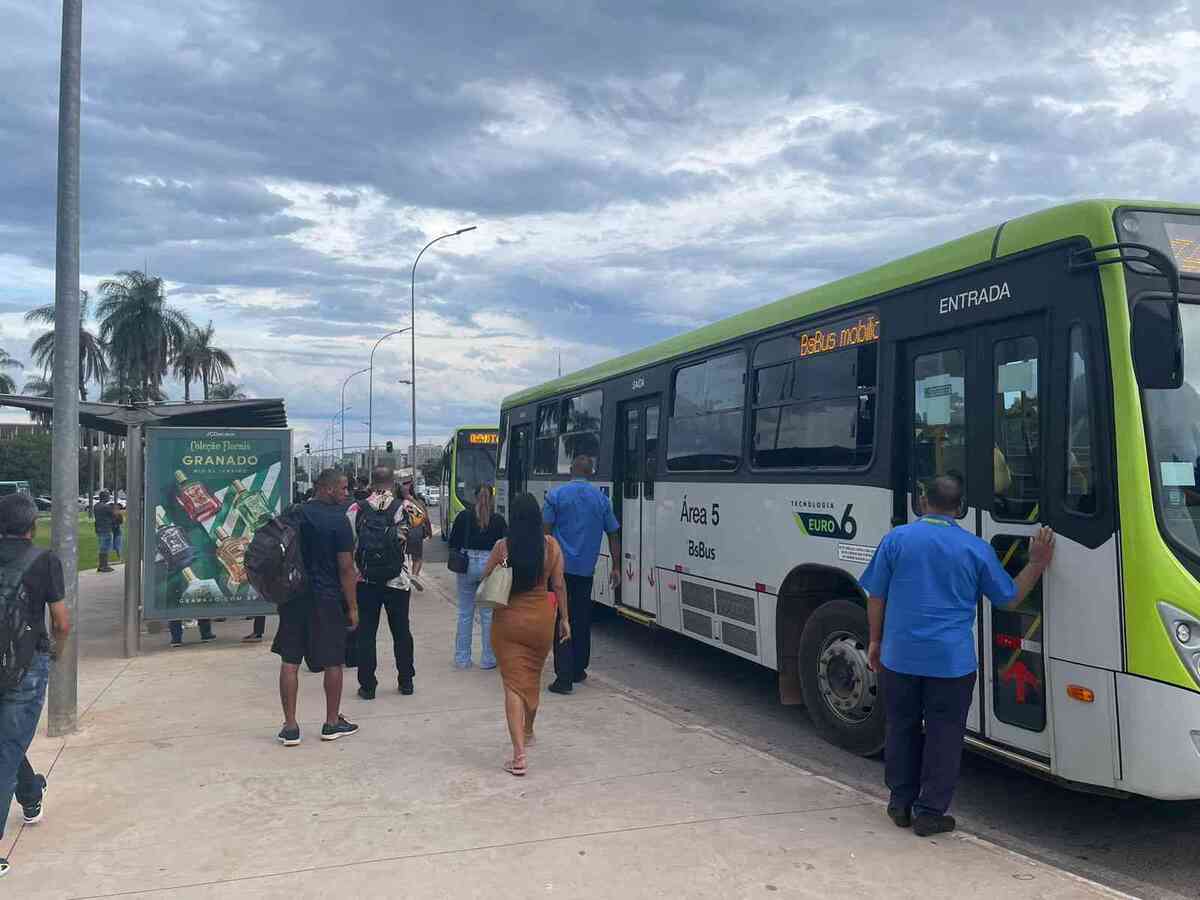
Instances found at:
x=130 y=422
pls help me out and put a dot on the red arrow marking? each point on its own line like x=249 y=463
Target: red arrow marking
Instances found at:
x=1023 y=678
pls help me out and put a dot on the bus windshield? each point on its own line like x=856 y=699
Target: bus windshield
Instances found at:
x=475 y=464
x=1173 y=421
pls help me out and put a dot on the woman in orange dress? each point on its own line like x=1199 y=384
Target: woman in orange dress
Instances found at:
x=523 y=632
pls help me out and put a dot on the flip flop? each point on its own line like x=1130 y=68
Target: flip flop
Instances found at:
x=512 y=767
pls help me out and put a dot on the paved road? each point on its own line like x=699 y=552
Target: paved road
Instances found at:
x=1144 y=847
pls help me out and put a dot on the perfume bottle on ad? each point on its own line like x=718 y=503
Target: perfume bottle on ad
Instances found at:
x=172 y=545
x=197 y=500
x=250 y=506
x=231 y=552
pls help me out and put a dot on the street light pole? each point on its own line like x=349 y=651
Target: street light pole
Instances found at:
x=371 y=395
x=413 y=319
x=64 y=478
x=344 y=383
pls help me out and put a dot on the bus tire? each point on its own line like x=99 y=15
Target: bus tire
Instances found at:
x=842 y=695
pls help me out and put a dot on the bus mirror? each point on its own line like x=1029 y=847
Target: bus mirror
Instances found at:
x=1157 y=344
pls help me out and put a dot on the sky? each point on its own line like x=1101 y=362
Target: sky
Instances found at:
x=634 y=169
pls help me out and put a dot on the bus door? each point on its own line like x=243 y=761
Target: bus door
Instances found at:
x=520 y=454
x=637 y=460
x=974 y=410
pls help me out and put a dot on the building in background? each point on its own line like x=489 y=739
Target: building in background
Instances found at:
x=423 y=453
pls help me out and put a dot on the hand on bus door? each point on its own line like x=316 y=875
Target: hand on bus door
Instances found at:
x=1041 y=548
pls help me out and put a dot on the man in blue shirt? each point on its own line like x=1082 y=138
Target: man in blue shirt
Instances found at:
x=577 y=514
x=929 y=577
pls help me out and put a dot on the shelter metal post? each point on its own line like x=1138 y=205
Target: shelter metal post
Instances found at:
x=135 y=487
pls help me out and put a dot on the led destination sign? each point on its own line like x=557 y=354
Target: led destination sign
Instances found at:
x=840 y=335
x=483 y=437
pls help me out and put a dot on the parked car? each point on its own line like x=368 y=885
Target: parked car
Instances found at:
x=43 y=503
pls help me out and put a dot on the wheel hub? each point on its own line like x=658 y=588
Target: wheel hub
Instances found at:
x=847 y=685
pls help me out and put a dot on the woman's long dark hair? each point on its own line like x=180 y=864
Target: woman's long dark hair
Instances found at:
x=526 y=543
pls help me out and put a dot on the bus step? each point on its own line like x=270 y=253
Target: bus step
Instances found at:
x=635 y=615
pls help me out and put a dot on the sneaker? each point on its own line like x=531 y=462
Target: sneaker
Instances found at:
x=341 y=729
x=901 y=815
x=33 y=812
x=366 y=693
x=926 y=824
x=4 y=867
x=176 y=644
x=289 y=737
x=252 y=639
x=406 y=686
x=488 y=666
x=415 y=583
x=560 y=687
x=463 y=666
x=581 y=678
x=205 y=638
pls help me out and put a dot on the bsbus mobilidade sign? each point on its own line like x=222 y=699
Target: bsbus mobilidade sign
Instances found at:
x=207 y=491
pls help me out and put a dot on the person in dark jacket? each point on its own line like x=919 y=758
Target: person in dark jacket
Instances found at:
x=476 y=531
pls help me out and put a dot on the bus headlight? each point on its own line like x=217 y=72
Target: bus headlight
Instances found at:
x=1184 y=630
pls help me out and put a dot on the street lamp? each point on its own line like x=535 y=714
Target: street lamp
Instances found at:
x=413 y=320
x=344 y=383
x=371 y=393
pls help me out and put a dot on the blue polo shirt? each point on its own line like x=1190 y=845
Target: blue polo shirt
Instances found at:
x=580 y=514
x=931 y=575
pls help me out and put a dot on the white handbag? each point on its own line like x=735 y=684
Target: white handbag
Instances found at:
x=494 y=590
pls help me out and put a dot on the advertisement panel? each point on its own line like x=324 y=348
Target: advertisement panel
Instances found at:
x=207 y=491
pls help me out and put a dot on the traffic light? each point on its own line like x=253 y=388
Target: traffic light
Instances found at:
x=307 y=451
x=389 y=446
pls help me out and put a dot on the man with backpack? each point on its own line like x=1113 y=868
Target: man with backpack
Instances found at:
x=315 y=616
x=31 y=580
x=382 y=523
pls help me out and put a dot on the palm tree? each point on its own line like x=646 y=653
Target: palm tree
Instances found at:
x=39 y=386
x=226 y=390
x=198 y=358
x=93 y=364
x=7 y=384
x=142 y=331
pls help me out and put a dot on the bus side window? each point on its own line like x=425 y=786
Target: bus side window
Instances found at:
x=1081 y=480
x=1016 y=453
x=939 y=440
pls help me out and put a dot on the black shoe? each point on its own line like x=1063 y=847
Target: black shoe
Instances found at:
x=289 y=737
x=560 y=687
x=581 y=678
x=366 y=693
x=205 y=638
x=33 y=812
x=252 y=639
x=406 y=687
x=107 y=569
x=901 y=815
x=341 y=729
x=178 y=643
x=926 y=824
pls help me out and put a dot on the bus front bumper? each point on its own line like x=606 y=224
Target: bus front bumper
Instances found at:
x=1160 y=739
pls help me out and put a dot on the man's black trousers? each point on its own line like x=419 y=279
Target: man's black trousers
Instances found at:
x=571 y=657
x=922 y=768
x=372 y=599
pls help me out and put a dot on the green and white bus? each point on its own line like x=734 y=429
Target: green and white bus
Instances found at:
x=755 y=464
x=468 y=460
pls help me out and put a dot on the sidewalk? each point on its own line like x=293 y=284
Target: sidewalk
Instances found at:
x=175 y=787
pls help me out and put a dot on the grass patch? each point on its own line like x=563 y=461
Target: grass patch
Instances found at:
x=89 y=557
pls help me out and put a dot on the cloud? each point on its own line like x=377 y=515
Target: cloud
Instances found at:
x=635 y=169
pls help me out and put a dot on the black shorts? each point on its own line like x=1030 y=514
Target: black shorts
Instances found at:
x=416 y=547
x=312 y=628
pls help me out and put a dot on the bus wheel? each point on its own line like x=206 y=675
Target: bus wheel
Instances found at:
x=841 y=693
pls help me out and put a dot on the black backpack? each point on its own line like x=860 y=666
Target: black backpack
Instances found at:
x=18 y=632
x=274 y=562
x=380 y=552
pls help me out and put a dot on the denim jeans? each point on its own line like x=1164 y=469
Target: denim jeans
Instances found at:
x=20 y=709
x=467 y=583
x=176 y=626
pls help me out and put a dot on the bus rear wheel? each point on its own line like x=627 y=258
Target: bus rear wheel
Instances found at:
x=842 y=695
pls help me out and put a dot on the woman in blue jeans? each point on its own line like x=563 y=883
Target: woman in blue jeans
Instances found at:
x=476 y=531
